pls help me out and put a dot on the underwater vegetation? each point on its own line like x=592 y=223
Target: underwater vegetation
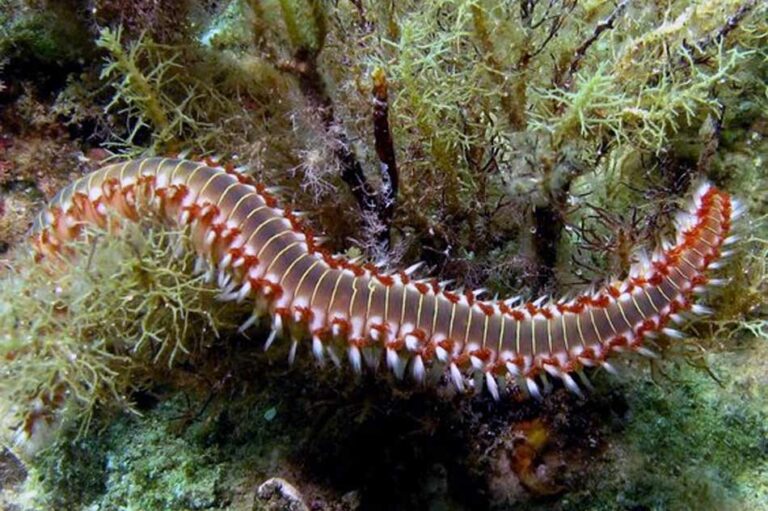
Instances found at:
x=532 y=147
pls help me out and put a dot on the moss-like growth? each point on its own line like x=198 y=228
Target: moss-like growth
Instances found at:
x=53 y=36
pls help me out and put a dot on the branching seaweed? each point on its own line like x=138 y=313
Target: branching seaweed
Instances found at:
x=89 y=330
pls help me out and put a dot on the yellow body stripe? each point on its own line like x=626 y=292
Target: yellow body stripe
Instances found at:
x=371 y=289
x=418 y=312
x=108 y=169
x=192 y=174
x=333 y=294
x=139 y=175
x=565 y=332
x=501 y=333
x=279 y=254
x=288 y=270
x=637 y=306
x=453 y=317
x=262 y=224
x=686 y=261
x=436 y=306
x=353 y=297
x=469 y=325
x=674 y=284
x=386 y=304
x=517 y=337
x=697 y=252
x=485 y=329
x=610 y=322
x=89 y=186
x=232 y=212
x=270 y=240
x=224 y=194
x=578 y=329
x=317 y=286
x=660 y=290
x=173 y=172
x=140 y=172
x=122 y=172
x=621 y=310
x=402 y=308
x=304 y=276
x=549 y=334
x=210 y=180
x=71 y=190
x=650 y=300
x=250 y=214
x=594 y=325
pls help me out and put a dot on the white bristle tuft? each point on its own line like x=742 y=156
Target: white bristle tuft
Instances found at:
x=456 y=377
x=533 y=388
x=248 y=323
x=701 y=310
x=393 y=359
x=277 y=327
x=642 y=350
x=411 y=342
x=411 y=269
x=493 y=387
x=610 y=368
x=224 y=279
x=292 y=352
x=513 y=369
x=737 y=209
x=244 y=291
x=210 y=238
x=418 y=369
x=571 y=384
x=317 y=348
x=355 y=359
x=672 y=333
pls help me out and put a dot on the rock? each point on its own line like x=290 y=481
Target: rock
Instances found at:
x=277 y=494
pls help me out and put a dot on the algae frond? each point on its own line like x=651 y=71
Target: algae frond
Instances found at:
x=89 y=330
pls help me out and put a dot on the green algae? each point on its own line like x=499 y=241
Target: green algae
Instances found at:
x=54 y=36
x=692 y=443
x=682 y=442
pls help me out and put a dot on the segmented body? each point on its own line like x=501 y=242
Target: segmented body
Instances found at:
x=264 y=253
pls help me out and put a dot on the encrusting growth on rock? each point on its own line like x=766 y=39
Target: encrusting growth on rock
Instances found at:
x=257 y=251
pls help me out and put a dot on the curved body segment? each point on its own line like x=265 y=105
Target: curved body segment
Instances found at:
x=265 y=254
